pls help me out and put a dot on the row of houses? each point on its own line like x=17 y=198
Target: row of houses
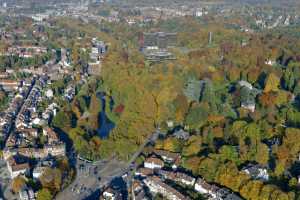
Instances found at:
x=12 y=111
x=26 y=51
x=18 y=154
x=156 y=185
x=161 y=168
x=28 y=111
x=24 y=151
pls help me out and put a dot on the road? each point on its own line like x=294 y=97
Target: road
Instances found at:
x=87 y=180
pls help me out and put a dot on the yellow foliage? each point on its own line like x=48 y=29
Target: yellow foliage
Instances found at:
x=272 y=83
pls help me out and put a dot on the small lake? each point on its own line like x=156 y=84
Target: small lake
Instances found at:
x=106 y=125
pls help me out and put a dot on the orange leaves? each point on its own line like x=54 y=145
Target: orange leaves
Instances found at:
x=267 y=99
x=215 y=118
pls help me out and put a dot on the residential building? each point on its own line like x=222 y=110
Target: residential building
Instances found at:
x=256 y=172
x=179 y=177
x=38 y=171
x=181 y=134
x=9 y=85
x=167 y=156
x=155 y=185
x=111 y=194
x=17 y=166
x=153 y=163
x=144 y=172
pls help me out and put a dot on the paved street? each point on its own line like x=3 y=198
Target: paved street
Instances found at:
x=5 y=182
x=92 y=177
x=4 y=177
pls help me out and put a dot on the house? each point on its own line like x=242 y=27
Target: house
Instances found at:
x=247 y=94
x=153 y=163
x=26 y=193
x=51 y=135
x=137 y=186
x=38 y=171
x=270 y=62
x=138 y=192
x=167 y=174
x=49 y=93
x=248 y=106
x=176 y=163
x=256 y=172
x=155 y=186
x=28 y=132
x=170 y=124
x=167 y=156
x=23 y=195
x=144 y=172
x=202 y=186
x=178 y=177
x=56 y=150
x=246 y=84
x=94 y=68
x=181 y=134
x=185 y=179
x=232 y=196
x=32 y=152
x=16 y=166
x=9 y=85
x=111 y=194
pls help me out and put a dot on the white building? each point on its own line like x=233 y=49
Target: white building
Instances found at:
x=257 y=172
x=202 y=187
x=155 y=185
x=38 y=171
x=153 y=163
x=49 y=93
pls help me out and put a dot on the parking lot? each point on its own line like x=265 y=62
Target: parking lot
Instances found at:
x=90 y=178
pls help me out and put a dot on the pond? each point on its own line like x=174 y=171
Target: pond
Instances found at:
x=106 y=125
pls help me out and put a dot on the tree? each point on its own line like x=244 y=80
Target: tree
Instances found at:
x=229 y=153
x=62 y=120
x=95 y=109
x=18 y=183
x=282 y=97
x=225 y=174
x=234 y=74
x=208 y=168
x=197 y=116
x=272 y=83
x=51 y=179
x=75 y=55
x=44 y=194
x=192 y=146
x=262 y=155
x=181 y=107
x=192 y=163
x=251 y=190
x=172 y=144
